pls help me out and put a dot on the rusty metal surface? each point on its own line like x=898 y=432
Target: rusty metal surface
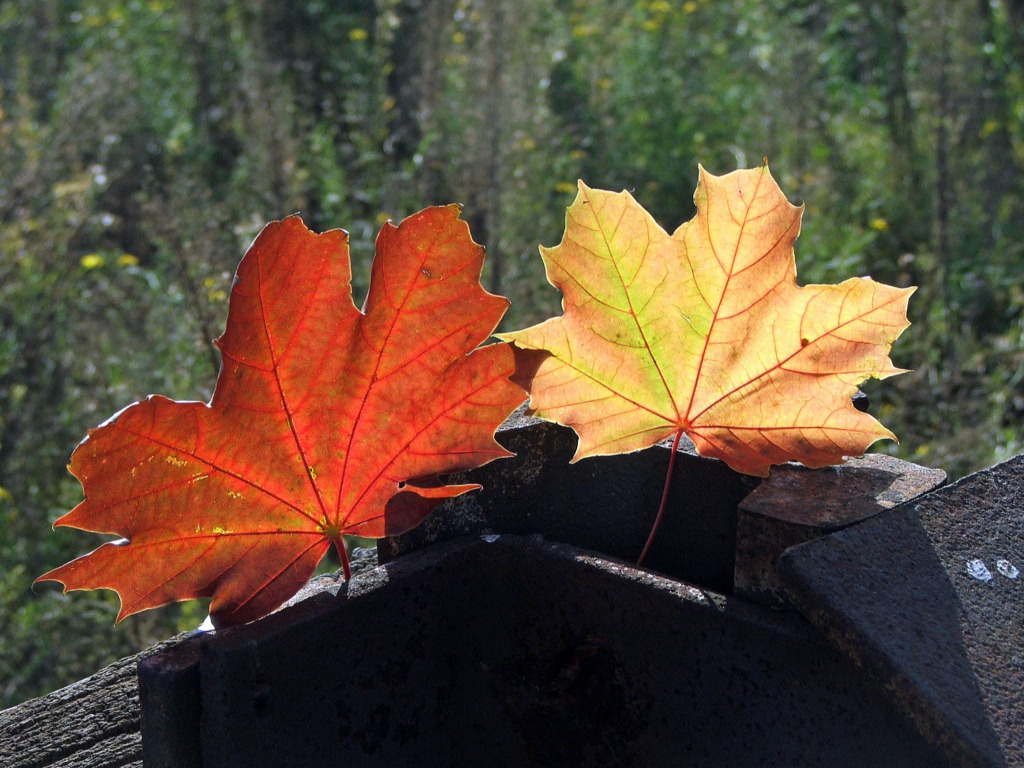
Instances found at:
x=796 y=504
x=511 y=651
x=930 y=599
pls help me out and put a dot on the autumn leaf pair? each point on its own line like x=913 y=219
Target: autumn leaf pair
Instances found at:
x=327 y=420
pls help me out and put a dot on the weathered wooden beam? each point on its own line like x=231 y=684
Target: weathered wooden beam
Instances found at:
x=95 y=723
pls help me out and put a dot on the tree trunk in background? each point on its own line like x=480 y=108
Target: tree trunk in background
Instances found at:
x=416 y=84
x=907 y=171
x=943 y=182
x=492 y=140
x=206 y=40
x=1015 y=14
x=899 y=113
x=993 y=113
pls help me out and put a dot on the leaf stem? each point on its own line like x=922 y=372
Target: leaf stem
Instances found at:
x=664 y=497
x=339 y=544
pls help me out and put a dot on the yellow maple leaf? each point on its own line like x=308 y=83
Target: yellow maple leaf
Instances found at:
x=705 y=332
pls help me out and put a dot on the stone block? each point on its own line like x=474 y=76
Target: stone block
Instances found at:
x=605 y=503
x=796 y=504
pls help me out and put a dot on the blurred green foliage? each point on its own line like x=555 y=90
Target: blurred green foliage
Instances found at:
x=144 y=143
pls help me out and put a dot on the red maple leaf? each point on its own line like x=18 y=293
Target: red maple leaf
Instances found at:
x=325 y=421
